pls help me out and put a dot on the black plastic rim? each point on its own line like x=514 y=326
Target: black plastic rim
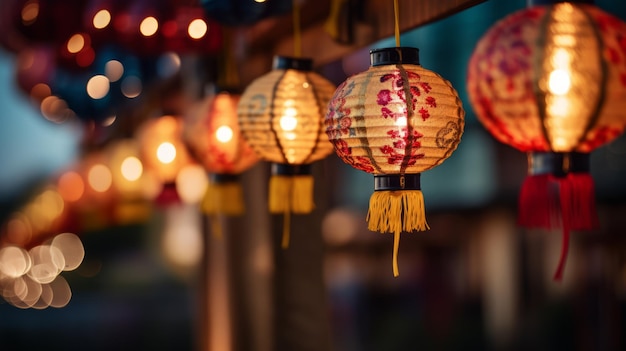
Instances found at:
x=393 y=56
x=391 y=182
x=221 y=178
x=297 y=63
x=291 y=170
x=558 y=163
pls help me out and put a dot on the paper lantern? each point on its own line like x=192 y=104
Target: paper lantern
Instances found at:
x=281 y=115
x=395 y=120
x=214 y=138
x=164 y=153
x=550 y=80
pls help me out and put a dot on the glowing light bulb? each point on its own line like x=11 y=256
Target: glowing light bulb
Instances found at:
x=224 y=134
x=559 y=82
x=288 y=121
x=149 y=26
x=101 y=19
x=131 y=168
x=166 y=152
x=197 y=28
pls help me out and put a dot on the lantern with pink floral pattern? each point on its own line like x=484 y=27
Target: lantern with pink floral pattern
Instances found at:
x=550 y=80
x=395 y=120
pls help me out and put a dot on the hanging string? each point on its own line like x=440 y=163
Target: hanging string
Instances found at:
x=297 y=40
x=396 y=17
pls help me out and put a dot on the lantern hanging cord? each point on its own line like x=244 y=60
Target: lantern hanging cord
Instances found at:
x=396 y=17
x=297 y=40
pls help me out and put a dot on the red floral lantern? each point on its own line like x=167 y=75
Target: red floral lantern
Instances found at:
x=281 y=115
x=164 y=153
x=213 y=136
x=395 y=120
x=550 y=80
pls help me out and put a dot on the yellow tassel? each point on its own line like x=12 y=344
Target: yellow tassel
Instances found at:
x=396 y=212
x=302 y=194
x=223 y=198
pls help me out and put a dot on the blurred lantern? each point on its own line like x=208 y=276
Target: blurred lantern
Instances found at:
x=243 y=12
x=550 y=80
x=163 y=152
x=281 y=115
x=214 y=138
x=131 y=182
x=395 y=120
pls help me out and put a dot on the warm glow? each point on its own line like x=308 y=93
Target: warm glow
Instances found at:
x=30 y=12
x=109 y=121
x=98 y=87
x=100 y=178
x=131 y=168
x=75 y=43
x=259 y=1
x=51 y=204
x=149 y=26
x=288 y=121
x=131 y=87
x=70 y=186
x=40 y=91
x=101 y=19
x=224 y=134
x=114 y=70
x=191 y=183
x=197 y=28
x=559 y=82
x=401 y=121
x=166 y=152
x=182 y=236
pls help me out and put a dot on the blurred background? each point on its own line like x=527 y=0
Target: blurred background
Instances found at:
x=152 y=274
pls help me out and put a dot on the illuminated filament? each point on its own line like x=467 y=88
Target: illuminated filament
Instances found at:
x=224 y=134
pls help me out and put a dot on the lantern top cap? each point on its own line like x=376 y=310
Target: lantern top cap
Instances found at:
x=531 y=3
x=297 y=63
x=395 y=55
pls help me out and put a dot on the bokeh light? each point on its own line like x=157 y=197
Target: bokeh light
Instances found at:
x=149 y=26
x=76 y=43
x=114 y=70
x=191 y=183
x=197 y=28
x=30 y=12
x=131 y=168
x=101 y=19
x=71 y=248
x=71 y=186
x=131 y=87
x=166 y=152
x=98 y=86
x=99 y=178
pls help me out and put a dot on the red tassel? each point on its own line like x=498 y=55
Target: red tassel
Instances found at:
x=539 y=204
x=168 y=195
x=550 y=202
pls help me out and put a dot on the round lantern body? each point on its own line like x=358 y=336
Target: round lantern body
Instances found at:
x=213 y=136
x=281 y=114
x=395 y=120
x=550 y=80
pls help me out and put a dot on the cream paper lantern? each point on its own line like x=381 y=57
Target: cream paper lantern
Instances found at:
x=395 y=120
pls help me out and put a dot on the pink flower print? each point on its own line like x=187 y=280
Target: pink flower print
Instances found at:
x=430 y=101
x=386 y=112
x=393 y=133
x=387 y=150
x=384 y=97
x=424 y=113
x=342 y=147
x=344 y=124
x=363 y=163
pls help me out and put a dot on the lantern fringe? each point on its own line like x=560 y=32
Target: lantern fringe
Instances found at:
x=396 y=212
x=290 y=194
x=550 y=202
x=223 y=198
